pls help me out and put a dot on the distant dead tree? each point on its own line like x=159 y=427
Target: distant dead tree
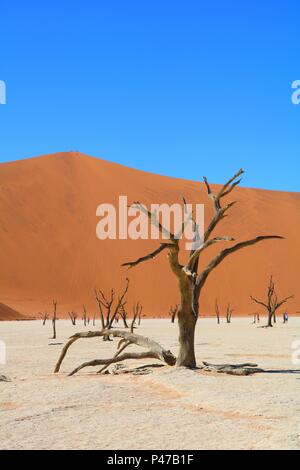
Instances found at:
x=123 y=315
x=217 y=310
x=256 y=318
x=272 y=304
x=109 y=309
x=45 y=318
x=229 y=312
x=73 y=317
x=84 y=317
x=94 y=320
x=173 y=312
x=137 y=309
x=54 y=318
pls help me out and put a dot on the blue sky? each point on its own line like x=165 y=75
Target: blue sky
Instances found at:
x=181 y=88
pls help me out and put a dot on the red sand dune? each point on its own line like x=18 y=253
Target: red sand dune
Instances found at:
x=7 y=313
x=49 y=247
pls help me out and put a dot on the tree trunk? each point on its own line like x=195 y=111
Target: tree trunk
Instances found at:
x=186 y=322
x=270 y=315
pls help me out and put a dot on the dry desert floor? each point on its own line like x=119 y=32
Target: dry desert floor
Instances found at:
x=168 y=409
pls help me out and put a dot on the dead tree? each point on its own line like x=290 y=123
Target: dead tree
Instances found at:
x=94 y=320
x=45 y=318
x=54 y=318
x=109 y=309
x=84 y=317
x=229 y=312
x=136 y=315
x=173 y=312
x=73 y=317
x=217 y=310
x=123 y=315
x=191 y=280
x=272 y=304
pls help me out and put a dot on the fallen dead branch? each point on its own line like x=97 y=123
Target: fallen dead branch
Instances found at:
x=246 y=368
x=154 y=349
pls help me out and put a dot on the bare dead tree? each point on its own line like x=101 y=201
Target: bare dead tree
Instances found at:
x=191 y=282
x=73 y=317
x=217 y=310
x=45 y=318
x=110 y=309
x=173 y=312
x=84 y=317
x=123 y=315
x=136 y=315
x=272 y=304
x=94 y=320
x=229 y=312
x=54 y=318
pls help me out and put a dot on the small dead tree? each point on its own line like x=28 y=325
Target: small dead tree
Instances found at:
x=94 y=320
x=109 y=309
x=45 y=318
x=73 y=317
x=191 y=281
x=136 y=315
x=217 y=310
x=272 y=304
x=54 y=318
x=123 y=315
x=173 y=312
x=229 y=312
x=84 y=317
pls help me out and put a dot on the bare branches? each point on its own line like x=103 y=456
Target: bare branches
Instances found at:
x=228 y=251
x=106 y=303
x=272 y=304
x=151 y=255
x=155 y=351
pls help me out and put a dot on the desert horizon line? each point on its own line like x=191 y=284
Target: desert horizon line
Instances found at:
x=74 y=153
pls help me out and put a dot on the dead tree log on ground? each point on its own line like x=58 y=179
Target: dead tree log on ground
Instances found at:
x=190 y=281
x=154 y=349
x=232 y=369
x=54 y=318
x=272 y=304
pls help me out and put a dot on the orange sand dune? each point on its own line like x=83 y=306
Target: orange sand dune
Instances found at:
x=49 y=247
x=7 y=313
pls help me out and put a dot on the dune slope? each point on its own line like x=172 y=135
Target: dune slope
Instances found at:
x=49 y=247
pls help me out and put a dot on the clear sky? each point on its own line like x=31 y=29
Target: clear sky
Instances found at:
x=181 y=88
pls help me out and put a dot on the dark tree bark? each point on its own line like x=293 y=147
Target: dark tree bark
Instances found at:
x=217 y=310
